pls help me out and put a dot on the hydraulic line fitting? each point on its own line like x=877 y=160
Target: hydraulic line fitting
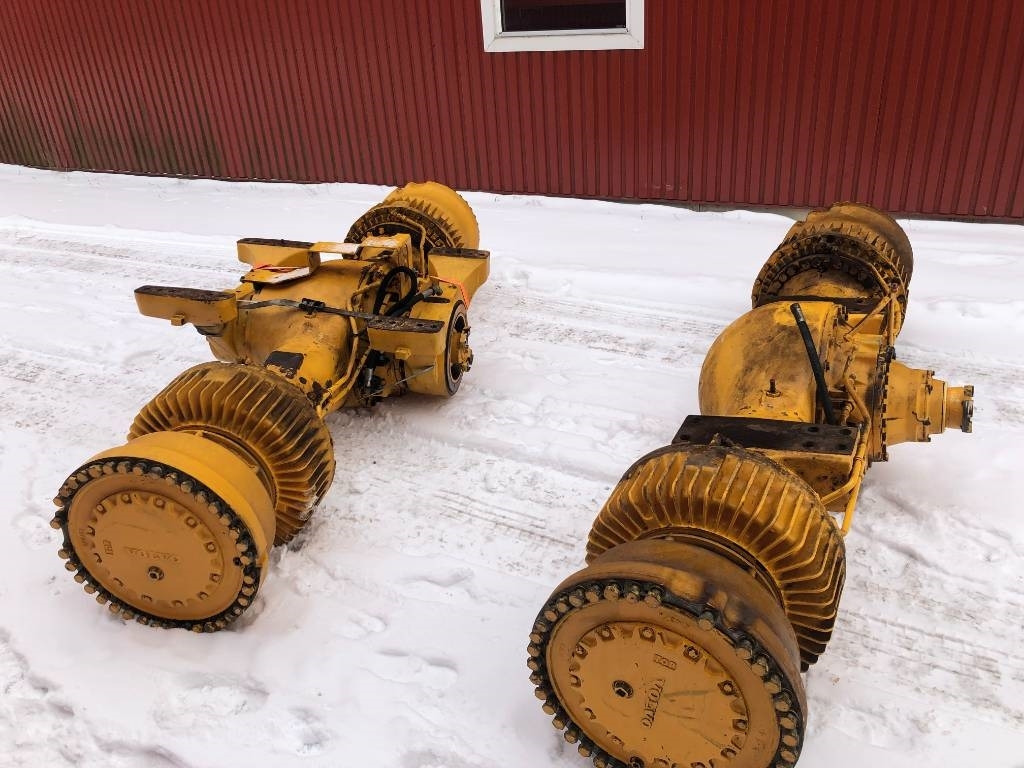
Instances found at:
x=173 y=528
x=716 y=566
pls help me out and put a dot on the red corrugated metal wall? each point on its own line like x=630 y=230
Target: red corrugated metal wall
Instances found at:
x=915 y=106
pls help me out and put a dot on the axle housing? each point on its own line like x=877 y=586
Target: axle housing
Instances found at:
x=174 y=527
x=716 y=566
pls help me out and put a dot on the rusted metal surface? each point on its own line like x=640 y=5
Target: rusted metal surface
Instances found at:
x=914 y=107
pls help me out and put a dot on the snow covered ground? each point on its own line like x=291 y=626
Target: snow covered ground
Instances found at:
x=392 y=633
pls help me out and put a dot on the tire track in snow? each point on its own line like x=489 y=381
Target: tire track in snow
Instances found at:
x=62 y=260
x=917 y=625
x=941 y=666
x=645 y=333
x=445 y=508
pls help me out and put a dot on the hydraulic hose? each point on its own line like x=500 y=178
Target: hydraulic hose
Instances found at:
x=812 y=356
x=385 y=284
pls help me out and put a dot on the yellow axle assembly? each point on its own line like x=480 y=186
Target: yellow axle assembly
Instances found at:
x=716 y=566
x=174 y=528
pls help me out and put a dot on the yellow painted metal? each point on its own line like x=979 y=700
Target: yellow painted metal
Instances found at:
x=203 y=309
x=234 y=455
x=754 y=482
x=741 y=365
x=154 y=528
x=277 y=253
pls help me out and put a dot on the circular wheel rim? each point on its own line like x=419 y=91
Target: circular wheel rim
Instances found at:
x=170 y=530
x=635 y=713
x=158 y=547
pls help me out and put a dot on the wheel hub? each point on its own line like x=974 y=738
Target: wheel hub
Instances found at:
x=171 y=530
x=664 y=655
x=673 y=684
x=153 y=545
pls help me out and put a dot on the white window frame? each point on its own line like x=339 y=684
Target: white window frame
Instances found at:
x=496 y=40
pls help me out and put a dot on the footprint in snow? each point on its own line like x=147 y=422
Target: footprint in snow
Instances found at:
x=201 y=704
x=359 y=625
x=441 y=587
x=33 y=528
x=25 y=694
x=401 y=667
x=302 y=732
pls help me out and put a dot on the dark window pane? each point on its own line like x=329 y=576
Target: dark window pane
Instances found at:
x=554 y=15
